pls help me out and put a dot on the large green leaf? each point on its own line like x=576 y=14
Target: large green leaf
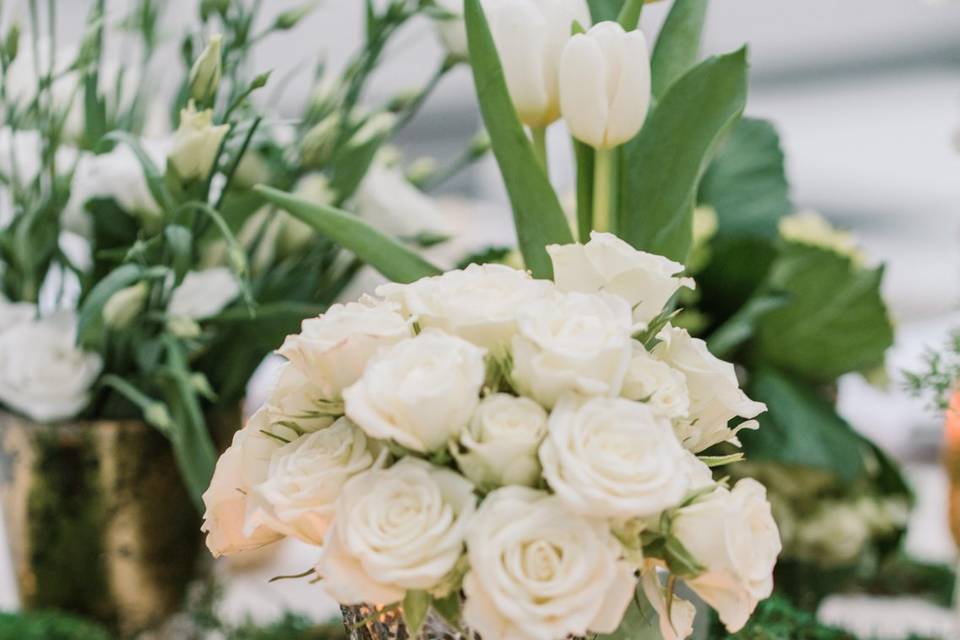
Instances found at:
x=746 y=183
x=537 y=213
x=740 y=327
x=640 y=622
x=678 y=44
x=836 y=321
x=801 y=427
x=382 y=252
x=661 y=167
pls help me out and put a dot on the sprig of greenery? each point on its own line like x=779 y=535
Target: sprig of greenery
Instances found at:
x=940 y=376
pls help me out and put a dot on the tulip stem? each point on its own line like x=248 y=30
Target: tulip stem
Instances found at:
x=539 y=135
x=602 y=176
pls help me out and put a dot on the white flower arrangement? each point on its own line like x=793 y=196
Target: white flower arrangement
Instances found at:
x=523 y=448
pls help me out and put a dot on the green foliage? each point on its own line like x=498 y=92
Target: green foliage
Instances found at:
x=289 y=627
x=940 y=376
x=776 y=618
x=48 y=625
x=639 y=623
x=678 y=44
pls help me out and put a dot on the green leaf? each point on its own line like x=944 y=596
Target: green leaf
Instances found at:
x=90 y=324
x=740 y=327
x=746 y=183
x=538 y=216
x=416 y=604
x=449 y=608
x=801 y=427
x=640 y=622
x=180 y=241
x=663 y=164
x=155 y=181
x=584 y=154
x=380 y=251
x=836 y=321
x=351 y=166
x=680 y=561
x=601 y=10
x=678 y=44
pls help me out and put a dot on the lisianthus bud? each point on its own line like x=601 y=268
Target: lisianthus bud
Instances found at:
x=157 y=416
x=319 y=142
x=205 y=74
x=209 y=7
x=196 y=143
x=376 y=126
x=11 y=44
x=290 y=18
x=125 y=305
x=605 y=85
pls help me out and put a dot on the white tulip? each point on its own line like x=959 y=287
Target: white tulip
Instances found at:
x=663 y=388
x=539 y=572
x=397 y=529
x=419 y=393
x=196 y=143
x=203 y=294
x=605 y=85
x=478 y=303
x=499 y=446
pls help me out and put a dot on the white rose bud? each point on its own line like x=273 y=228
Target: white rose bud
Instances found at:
x=419 y=393
x=125 y=305
x=206 y=70
x=499 y=446
x=572 y=342
x=332 y=350
x=478 y=303
x=733 y=535
x=663 y=388
x=397 y=529
x=607 y=263
x=715 y=394
x=539 y=572
x=203 y=294
x=605 y=85
x=196 y=143
x=613 y=458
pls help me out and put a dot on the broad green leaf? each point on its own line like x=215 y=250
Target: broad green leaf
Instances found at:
x=737 y=269
x=416 y=605
x=449 y=608
x=678 y=44
x=836 y=321
x=601 y=10
x=746 y=183
x=740 y=327
x=801 y=427
x=351 y=165
x=661 y=167
x=538 y=216
x=640 y=622
x=380 y=251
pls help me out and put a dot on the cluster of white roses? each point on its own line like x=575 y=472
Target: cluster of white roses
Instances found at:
x=523 y=442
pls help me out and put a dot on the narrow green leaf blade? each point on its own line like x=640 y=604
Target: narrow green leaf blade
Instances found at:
x=537 y=213
x=382 y=252
x=678 y=44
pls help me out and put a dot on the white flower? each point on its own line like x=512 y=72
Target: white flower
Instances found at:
x=43 y=374
x=389 y=202
x=196 y=143
x=715 y=394
x=500 y=444
x=420 y=392
x=605 y=85
x=733 y=535
x=676 y=621
x=530 y=36
x=811 y=228
x=607 y=263
x=397 y=529
x=452 y=31
x=539 y=572
x=613 y=458
x=125 y=305
x=296 y=400
x=833 y=535
x=14 y=313
x=203 y=294
x=304 y=480
x=478 y=303
x=206 y=71
x=572 y=342
x=663 y=388
x=332 y=350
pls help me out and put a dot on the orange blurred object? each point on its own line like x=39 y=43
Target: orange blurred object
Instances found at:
x=951 y=462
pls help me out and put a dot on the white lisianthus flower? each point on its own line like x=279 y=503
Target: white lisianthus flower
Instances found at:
x=663 y=388
x=605 y=84
x=389 y=202
x=332 y=350
x=43 y=374
x=419 y=393
x=607 y=263
x=613 y=458
x=478 y=303
x=539 y=572
x=572 y=342
x=397 y=529
x=203 y=294
x=715 y=394
x=14 y=313
x=304 y=480
x=499 y=446
x=733 y=535
x=196 y=143
x=675 y=621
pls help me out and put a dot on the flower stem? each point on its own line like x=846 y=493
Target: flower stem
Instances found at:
x=539 y=135
x=602 y=176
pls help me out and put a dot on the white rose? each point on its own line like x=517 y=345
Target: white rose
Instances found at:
x=295 y=400
x=715 y=394
x=420 y=392
x=203 y=294
x=333 y=349
x=478 y=303
x=397 y=529
x=304 y=479
x=539 y=572
x=675 y=621
x=389 y=202
x=14 y=313
x=607 y=263
x=43 y=374
x=613 y=458
x=500 y=444
x=656 y=383
x=196 y=143
x=733 y=535
x=572 y=342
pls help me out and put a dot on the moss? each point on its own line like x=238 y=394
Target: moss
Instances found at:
x=48 y=625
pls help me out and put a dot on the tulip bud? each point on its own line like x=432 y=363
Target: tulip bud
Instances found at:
x=205 y=74
x=605 y=85
x=196 y=144
x=125 y=305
